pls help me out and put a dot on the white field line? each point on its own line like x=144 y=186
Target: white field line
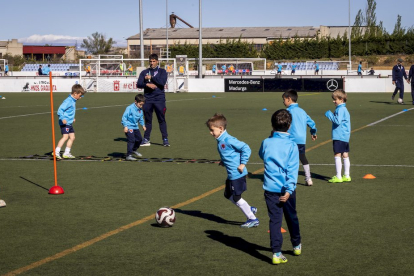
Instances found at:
x=105 y=106
x=386 y=118
x=86 y=160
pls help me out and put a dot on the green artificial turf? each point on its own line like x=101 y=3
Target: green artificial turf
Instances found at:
x=359 y=228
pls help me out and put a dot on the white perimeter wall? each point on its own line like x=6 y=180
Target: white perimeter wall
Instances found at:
x=63 y=84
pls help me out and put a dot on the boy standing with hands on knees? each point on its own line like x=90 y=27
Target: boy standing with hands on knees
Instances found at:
x=234 y=156
x=280 y=155
x=66 y=113
x=132 y=116
x=341 y=132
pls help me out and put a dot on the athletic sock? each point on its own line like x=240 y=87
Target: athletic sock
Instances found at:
x=57 y=150
x=347 y=166
x=67 y=151
x=245 y=207
x=306 y=168
x=338 y=165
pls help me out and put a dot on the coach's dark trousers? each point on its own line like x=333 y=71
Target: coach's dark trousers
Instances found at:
x=412 y=91
x=276 y=210
x=399 y=85
x=134 y=140
x=160 y=109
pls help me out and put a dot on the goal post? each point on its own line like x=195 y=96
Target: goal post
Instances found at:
x=120 y=74
x=2 y=65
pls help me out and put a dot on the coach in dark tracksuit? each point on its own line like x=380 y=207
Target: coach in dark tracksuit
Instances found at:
x=398 y=72
x=411 y=79
x=153 y=80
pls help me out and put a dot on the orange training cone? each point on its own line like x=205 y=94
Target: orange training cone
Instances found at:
x=281 y=230
x=369 y=176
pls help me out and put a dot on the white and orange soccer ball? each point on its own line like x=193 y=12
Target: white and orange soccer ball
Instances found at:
x=165 y=217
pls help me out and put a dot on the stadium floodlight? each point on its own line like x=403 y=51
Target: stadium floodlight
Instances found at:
x=349 y=33
x=200 y=45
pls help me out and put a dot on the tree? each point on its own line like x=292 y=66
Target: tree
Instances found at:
x=370 y=18
x=398 y=30
x=356 y=29
x=97 y=44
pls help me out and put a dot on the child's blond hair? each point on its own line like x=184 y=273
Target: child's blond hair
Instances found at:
x=77 y=88
x=339 y=94
x=218 y=120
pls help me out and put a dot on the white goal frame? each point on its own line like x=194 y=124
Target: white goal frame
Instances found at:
x=342 y=65
x=3 y=65
x=97 y=80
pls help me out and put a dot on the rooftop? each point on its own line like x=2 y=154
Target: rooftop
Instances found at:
x=233 y=32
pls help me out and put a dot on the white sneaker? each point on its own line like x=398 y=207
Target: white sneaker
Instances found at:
x=137 y=153
x=309 y=182
x=2 y=203
x=58 y=157
x=68 y=156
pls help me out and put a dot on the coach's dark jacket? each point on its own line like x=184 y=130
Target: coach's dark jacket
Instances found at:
x=411 y=74
x=159 y=78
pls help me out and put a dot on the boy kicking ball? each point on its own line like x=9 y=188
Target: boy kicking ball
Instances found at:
x=66 y=113
x=234 y=156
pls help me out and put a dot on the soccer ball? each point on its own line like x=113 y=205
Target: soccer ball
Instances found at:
x=399 y=100
x=165 y=217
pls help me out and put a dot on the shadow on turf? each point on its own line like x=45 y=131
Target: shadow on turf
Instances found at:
x=240 y=244
x=207 y=216
x=34 y=183
x=119 y=139
x=117 y=154
x=393 y=103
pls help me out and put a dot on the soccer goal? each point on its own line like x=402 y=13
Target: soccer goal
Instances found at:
x=2 y=65
x=227 y=66
x=120 y=74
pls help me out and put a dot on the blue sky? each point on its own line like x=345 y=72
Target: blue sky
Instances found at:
x=45 y=21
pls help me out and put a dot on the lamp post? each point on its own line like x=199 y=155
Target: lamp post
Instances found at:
x=141 y=34
x=349 y=33
x=200 y=45
x=166 y=21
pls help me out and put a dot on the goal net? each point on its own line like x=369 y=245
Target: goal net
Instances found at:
x=120 y=74
x=2 y=65
x=227 y=66
x=325 y=67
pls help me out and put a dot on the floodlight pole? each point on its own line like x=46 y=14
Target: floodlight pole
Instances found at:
x=349 y=33
x=141 y=33
x=200 y=45
x=166 y=23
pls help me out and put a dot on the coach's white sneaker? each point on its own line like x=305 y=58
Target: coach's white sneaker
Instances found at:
x=309 y=182
x=2 y=203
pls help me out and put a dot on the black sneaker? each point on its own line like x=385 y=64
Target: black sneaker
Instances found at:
x=392 y=97
x=165 y=142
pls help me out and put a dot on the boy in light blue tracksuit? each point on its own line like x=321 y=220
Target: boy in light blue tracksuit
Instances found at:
x=341 y=132
x=297 y=130
x=132 y=116
x=234 y=156
x=281 y=161
x=66 y=113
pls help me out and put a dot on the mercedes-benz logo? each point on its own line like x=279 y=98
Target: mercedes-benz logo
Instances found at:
x=332 y=85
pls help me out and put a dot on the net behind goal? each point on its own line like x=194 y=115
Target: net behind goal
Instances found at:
x=119 y=75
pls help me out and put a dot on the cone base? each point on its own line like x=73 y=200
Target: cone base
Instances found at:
x=56 y=190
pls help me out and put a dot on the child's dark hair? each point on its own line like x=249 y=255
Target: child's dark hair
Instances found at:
x=292 y=94
x=153 y=56
x=77 y=88
x=339 y=94
x=139 y=98
x=218 y=120
x=281 y=120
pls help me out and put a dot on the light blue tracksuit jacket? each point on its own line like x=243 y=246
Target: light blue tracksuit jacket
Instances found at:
x=341 y=123
x=233 y=153
x=67 y=111
x=132 y=116
x=280 y=155
x=299 y=122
